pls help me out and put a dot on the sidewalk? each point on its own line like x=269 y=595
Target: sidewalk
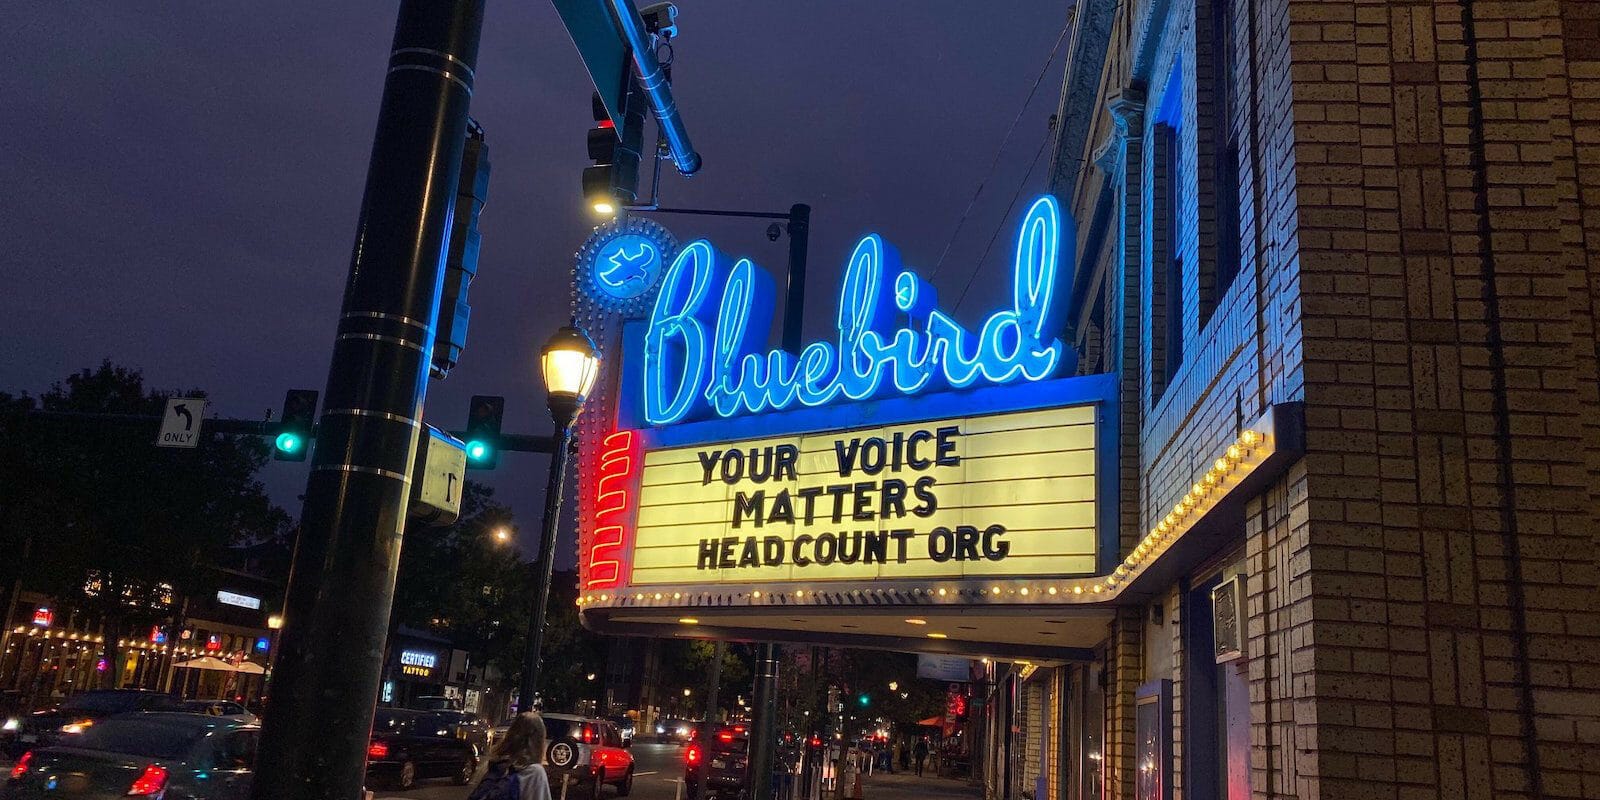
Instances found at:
x=907 y=786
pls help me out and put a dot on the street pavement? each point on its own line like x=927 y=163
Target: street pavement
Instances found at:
x=657 y=770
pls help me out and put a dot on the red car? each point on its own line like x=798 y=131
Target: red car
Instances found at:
x=589 y=753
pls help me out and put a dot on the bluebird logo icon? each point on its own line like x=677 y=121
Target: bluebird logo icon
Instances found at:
x=627 y=267
x=619 y=268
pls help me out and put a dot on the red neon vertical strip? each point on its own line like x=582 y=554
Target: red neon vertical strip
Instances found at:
x=616 y=480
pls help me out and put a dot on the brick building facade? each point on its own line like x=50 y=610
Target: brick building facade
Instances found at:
x=1374 y=215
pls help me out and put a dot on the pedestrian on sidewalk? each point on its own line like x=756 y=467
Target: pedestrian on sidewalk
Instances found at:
x=516 y=766
x=920 y=752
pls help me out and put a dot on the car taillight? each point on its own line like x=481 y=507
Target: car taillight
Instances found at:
x=692 y=755
x=725 y=736
x=21 y=767
x=378 y=750
x=588 y=735
x=151 y=781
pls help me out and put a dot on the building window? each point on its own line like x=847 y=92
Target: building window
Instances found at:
x=1166 y=268
x=1225 y=175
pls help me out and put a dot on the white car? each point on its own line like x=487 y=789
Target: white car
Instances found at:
x=226 y=709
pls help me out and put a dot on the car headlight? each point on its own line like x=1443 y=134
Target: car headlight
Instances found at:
x=660 y=729
x=11 y=724
x=77 y=727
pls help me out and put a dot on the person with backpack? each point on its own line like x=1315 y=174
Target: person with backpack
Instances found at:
x=516 y=766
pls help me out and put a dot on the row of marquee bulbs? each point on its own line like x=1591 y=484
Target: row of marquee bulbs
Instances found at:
x=1173 y=523
x=1167 y=529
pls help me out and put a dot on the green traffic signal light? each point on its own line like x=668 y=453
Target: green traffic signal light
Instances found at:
x=288 y=443
x=297 y=426
x=865 y=700
x=477 y=451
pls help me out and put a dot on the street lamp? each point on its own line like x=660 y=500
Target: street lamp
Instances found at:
x=894 y=686
x=502 y=534
x=569 y=365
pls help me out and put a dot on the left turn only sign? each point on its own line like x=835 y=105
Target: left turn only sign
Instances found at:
x=180 y=426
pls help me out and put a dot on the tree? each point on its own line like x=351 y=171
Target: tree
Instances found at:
x=686 y=664
x=461 y=582
x=114 y=524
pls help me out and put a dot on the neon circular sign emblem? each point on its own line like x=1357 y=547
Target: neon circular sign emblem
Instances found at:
x=621 y=265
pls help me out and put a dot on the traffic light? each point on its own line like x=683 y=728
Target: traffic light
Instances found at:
x=865 y=701
x=461 y=259
x=295 y=425
x=614 y=178
x=484 y=416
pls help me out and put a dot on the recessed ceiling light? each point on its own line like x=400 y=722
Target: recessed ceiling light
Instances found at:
x=915 y=621
x=689 y=620
x=967 y=627
x=937 y=635
x=849 y=626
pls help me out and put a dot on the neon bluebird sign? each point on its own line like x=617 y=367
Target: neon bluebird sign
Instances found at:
x=703 y=346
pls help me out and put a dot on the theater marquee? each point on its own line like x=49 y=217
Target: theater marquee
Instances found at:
x=906 y=458
x=975 y=496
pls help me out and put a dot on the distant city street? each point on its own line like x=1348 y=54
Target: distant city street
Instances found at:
x=750 y=400
x=659 y=770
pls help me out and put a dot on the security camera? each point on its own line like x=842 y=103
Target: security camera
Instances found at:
x=661 y=18
x=774 y=231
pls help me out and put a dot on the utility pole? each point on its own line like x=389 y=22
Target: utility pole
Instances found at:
x=314 y=742
x=764 y=727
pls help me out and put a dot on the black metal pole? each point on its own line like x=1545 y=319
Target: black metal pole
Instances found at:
x=545 y=568
x=764 y=727
x=794 y=292
x=314 y=742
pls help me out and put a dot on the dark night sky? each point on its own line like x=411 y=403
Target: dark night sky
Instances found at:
x=180 y=181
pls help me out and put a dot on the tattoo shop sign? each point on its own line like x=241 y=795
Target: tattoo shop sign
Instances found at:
x=993 y=495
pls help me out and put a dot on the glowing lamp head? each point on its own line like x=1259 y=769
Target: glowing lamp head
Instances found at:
x=603 y=208
x=477 y=450
x=289 y=443
x=570 y=364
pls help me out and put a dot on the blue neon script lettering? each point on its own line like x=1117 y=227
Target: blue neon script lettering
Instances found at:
x=702 y=352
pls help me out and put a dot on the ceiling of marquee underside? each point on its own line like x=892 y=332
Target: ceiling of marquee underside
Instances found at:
x=968 y=630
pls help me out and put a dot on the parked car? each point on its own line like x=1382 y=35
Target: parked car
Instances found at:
x=463 y=725
x=408 y=745
x=80 y=712
x=718 y=760
x=588 y=752
x=625 y=727
x=226 y=709
x=170 y=756
x=433 y=702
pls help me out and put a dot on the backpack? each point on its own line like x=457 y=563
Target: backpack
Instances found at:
x=498 y=783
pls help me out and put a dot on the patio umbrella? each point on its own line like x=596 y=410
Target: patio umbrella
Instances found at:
x=206 y=662
x=250 y=667
x=932 y=722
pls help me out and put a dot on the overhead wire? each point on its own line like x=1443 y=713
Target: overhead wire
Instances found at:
x=993 y=165
x=1022 y=184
